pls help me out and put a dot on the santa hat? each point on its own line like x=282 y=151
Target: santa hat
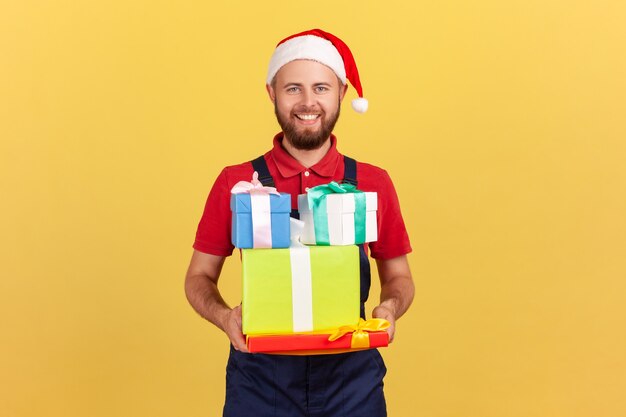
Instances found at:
x=324 y=48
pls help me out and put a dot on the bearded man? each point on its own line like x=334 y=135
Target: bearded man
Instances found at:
x=306 y=82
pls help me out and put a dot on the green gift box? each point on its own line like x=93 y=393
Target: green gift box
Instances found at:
x=300 y=289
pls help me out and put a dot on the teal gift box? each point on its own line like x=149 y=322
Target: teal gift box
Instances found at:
x=338 y=214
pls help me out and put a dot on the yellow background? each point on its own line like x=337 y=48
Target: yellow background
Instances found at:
x=501 y=122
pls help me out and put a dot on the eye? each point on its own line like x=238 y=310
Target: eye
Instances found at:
x=292 y=90
x=321 y=89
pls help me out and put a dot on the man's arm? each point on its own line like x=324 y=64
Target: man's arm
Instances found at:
x=396 y=290
x=203 y=295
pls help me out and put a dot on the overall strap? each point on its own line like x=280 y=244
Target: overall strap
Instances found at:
x=260 y=166
x=349 y=173
x=349 y=177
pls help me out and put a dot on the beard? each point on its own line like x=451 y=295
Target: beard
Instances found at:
x=307 y=139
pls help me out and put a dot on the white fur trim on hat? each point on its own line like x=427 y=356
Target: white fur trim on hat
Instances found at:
x=307 y=47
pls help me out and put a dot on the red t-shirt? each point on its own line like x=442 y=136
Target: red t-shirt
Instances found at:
x=214 y=229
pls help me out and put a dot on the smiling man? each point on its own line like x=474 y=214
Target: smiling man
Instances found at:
x=306 y=82
x=307 y=99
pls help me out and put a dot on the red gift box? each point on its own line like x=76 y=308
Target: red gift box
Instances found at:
x=311 y=344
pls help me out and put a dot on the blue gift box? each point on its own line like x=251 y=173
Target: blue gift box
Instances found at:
x=242 y=234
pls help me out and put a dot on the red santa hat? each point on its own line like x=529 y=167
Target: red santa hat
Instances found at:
x=324 y=48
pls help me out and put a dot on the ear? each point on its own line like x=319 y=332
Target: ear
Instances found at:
x=270 y=92
x=342 y=91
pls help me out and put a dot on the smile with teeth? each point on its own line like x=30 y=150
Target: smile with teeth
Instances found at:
x=307 y=116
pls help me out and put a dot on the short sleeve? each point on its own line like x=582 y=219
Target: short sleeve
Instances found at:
x=393 y=239
x=214 y=229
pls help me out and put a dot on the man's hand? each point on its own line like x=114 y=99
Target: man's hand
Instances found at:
x=204 y=297
x=384 y=312
x=232 y=328
x=396 y=291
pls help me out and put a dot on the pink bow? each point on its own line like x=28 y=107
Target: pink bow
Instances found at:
x=254 y=187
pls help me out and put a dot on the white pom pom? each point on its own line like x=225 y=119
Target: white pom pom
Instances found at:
x=359 y=105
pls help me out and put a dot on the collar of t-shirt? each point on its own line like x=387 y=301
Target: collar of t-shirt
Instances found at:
x=288 y=166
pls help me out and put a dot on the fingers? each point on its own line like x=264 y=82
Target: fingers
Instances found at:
x=391 y=331
x=233 y=330
x=381 y=312
x=239 y=342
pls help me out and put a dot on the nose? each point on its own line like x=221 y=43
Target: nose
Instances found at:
x=308 y=98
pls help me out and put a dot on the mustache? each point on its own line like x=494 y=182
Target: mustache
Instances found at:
x=307 y=109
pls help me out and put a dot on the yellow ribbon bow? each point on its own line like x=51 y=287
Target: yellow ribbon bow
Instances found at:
x=360 y=335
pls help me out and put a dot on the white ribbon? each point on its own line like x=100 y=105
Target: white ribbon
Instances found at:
x=296 y=228
x=301 y=283
x=259 y=208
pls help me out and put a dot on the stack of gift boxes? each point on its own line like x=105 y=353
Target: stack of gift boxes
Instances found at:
x=301 y=280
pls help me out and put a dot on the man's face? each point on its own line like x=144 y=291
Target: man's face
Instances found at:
x=307 y=96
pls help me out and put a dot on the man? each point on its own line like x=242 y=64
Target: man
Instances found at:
x=307 y=81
